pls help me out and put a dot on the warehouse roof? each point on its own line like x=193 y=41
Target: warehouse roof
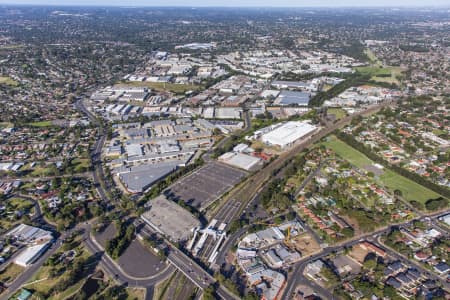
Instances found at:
x=293 y=97
x=288 y=133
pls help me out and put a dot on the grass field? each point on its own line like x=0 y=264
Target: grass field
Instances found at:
x=410 y=189
x=339 y=112
x=378 y=71
x=10 y=272
x=171 y=87
x=372 y=57
x=135 y=293
x=81 y=164
x=8 y=81
x=43 y=171
x=41 y=124
x=5 y=125
x=46 y=284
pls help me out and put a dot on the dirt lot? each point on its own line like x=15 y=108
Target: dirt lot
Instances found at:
x=305 y=244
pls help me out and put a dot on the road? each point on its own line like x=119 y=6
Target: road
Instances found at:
x=240 y=198
x=47 y=178
x=296 y=278
x=191 y=269
x=253 y=185
x=114 y=270
x=31 y=270
x=98 y=174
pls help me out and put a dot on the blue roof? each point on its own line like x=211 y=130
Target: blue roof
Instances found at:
x=292 y=97
x=24 y=295
x=394 y=282
x=442 y=267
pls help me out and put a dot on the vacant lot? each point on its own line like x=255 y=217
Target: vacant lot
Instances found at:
x=410 y=189
x=305 y=244
x=41 y=124
x=10 y=273
x=8 y=81
x=338 y=112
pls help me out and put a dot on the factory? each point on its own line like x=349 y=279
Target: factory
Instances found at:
x=286 y=134
x=35 y=239
x=241 y=160
x=293 y=98
x=153 y=150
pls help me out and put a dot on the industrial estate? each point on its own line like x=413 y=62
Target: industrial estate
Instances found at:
x=175 y=153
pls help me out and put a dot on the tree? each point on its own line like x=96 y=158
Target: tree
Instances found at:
x=370 y=264
x=209 y=293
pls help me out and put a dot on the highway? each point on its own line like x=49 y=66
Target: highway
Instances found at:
x=191 y=269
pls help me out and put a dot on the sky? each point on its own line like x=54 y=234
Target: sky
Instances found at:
x=236 y=3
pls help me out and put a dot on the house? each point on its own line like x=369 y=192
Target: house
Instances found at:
x=421 y=256
x=394 y=283
x=442 y=268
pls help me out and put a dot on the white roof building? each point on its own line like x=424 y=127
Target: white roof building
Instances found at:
x=30 y=235
x=30 y=254
x=240 y=160
x=288 y=133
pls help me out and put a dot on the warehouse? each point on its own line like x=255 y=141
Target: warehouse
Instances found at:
x=242 y=161
x=293 y=98
x=30 y=254
x=139 y=178
x=288 y=133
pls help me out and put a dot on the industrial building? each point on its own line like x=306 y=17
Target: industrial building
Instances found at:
x=139 y=178
x=35 y=239
x=30 y=254
x=287 y=133
x=241 y=160
x=293 y=98
x=30 y=235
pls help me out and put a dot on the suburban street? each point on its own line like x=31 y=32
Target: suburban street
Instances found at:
x=296 y=278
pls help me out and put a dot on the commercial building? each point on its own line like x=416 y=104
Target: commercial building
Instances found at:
x=288 y=133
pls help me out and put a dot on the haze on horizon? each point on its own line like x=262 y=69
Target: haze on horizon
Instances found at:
x=237 y=3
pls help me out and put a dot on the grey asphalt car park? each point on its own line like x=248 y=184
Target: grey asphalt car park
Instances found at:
x=205 y=185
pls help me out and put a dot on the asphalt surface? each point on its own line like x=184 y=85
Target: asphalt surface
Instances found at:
x=203 y=186
x=114 y=270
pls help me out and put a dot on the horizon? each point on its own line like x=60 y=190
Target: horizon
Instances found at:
x=349 y=4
